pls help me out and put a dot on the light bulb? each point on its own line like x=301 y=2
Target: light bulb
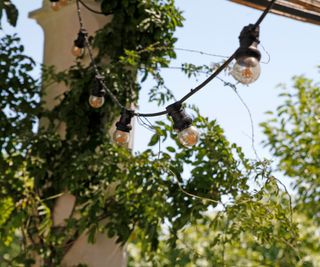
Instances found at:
x=189 y=136
x=55 y=6
x=96 y=101
x=246 y=70
x=63 y=2
x=77 y=51
x=121 y=137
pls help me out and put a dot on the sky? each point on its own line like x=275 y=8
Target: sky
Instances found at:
x=213 y=26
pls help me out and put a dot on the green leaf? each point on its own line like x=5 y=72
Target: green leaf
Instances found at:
x=154 y=140
x=11 y=12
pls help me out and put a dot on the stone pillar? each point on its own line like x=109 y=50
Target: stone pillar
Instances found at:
x=60 y=29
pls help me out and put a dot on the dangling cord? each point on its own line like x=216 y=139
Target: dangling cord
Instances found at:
x=234 y=88
x=95 y=67
x=199 y=52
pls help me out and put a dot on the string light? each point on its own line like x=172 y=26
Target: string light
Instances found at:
x=96 y=99
x=63 y=2
x=122 y=134
x=246 y=70
x=55 y=5
x=188 y=135
x=79 y=44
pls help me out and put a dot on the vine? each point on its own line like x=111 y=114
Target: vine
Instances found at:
x=148 y=189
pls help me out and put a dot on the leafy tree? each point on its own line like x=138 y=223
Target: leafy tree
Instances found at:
x=243 y=235
x=293 y=138
x=212 y=241
x=149 y=194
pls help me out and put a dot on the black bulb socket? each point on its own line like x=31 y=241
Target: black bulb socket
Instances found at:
x=249 y=40
x=125 y=119
x=97 y=89
x=181 y=120
x=54 y=1
x=81 y=40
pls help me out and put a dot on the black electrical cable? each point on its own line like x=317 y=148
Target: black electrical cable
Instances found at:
x=94 y=11
x=209 y=79
x=151 y=114
x=195 y=90
x=212 y=76
x=188 y=95
x=265 y=12
x=95 y=67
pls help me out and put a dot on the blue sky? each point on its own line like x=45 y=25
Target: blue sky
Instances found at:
x=213 y=26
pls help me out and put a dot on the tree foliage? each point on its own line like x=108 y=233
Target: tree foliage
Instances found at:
x=143 y=194
x=11 y=12
x=257 y=229
x=293 y=137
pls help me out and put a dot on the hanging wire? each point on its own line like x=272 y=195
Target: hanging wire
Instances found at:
x=267 y=53
x=149 y=126
x=234 y=89
x=149 y=123
x=144 y=124
x=209 y=79
x=188 y=95
x=95 y=67
x=199 y=52
x=251 y=122
x=182 y=69
x=289 y=196
x=159 y=142
x=196 y=89
x=188 y=193
x=79 y=16
x=217 y=71
x=94 y=11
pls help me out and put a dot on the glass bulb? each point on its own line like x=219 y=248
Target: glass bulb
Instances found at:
x=77 y=51
x=63 y=2
x=189 y=136
x=121 y=137
x=55 y=6
x=96 y=101
x=246 y=70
